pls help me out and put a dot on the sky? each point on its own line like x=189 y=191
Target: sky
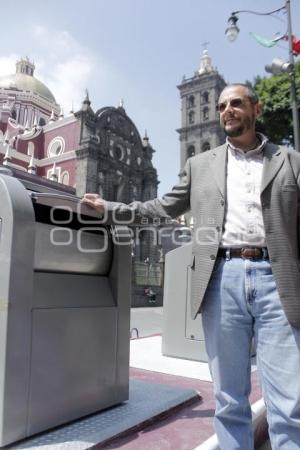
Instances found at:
x=138 y=51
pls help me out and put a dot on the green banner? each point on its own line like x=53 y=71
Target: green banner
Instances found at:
x=263 y=41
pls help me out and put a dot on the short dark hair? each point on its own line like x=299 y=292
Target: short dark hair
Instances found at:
x=252 y=95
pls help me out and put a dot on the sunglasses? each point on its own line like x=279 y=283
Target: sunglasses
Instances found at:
x=234 y=103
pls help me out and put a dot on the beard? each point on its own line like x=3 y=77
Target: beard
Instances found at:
x=240 y=128
x=234 y=132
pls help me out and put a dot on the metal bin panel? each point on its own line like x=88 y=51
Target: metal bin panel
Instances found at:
x=73 y=364
x=62 y=249
x=67 y=290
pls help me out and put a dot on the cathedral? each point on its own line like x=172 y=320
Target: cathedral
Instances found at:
x=96 y=151
x=102 y=151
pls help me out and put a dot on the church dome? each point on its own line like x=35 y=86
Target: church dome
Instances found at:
x=24 y=80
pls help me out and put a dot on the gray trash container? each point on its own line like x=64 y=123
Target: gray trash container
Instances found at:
x=64 y=310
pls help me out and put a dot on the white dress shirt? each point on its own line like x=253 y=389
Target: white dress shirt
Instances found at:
x=243 y=226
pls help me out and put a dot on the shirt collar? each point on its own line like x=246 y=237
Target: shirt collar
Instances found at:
x=262 y=140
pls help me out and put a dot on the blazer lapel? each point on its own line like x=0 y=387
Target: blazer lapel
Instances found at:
x=273 y=160
x=218 y=158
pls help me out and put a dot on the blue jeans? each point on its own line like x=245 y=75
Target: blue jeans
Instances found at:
x=242 y=302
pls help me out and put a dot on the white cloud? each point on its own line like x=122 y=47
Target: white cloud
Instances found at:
x=70 y=79
x=8 y=64
x=63 y=64
x=57 y=42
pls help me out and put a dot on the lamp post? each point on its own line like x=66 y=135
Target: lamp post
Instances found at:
x=277 y=65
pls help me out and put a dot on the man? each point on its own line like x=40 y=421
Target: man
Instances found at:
x=244 y=197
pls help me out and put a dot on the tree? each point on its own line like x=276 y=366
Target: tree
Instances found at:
x=274 y=93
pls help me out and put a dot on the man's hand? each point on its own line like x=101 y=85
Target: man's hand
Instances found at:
x=95 y=201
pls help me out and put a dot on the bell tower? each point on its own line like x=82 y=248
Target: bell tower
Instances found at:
x=200 y=130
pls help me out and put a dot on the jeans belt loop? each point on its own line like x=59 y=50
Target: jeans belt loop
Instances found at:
x=227 y=254
x=242 y=254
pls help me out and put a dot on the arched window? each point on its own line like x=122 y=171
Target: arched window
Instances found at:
x=14 y=114
x=54 y=173
x=191 y=117
x=205 y=113
x=205 y=97
x=205 y=146
x=190 y=151
x=42 y=122
x=65 y=177
x=30 y=149
x=191 y=101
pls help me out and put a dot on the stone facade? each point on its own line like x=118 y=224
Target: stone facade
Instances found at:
x=114 y=161
x=111 y=158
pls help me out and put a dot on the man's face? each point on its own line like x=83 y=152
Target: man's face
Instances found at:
x=237 y=113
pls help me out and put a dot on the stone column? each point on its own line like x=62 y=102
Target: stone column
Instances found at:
x=86 y=169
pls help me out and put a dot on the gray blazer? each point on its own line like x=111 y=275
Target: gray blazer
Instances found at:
x=202 y=190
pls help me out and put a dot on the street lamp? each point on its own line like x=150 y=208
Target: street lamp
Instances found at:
x=233 y=30
x=278 y=66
